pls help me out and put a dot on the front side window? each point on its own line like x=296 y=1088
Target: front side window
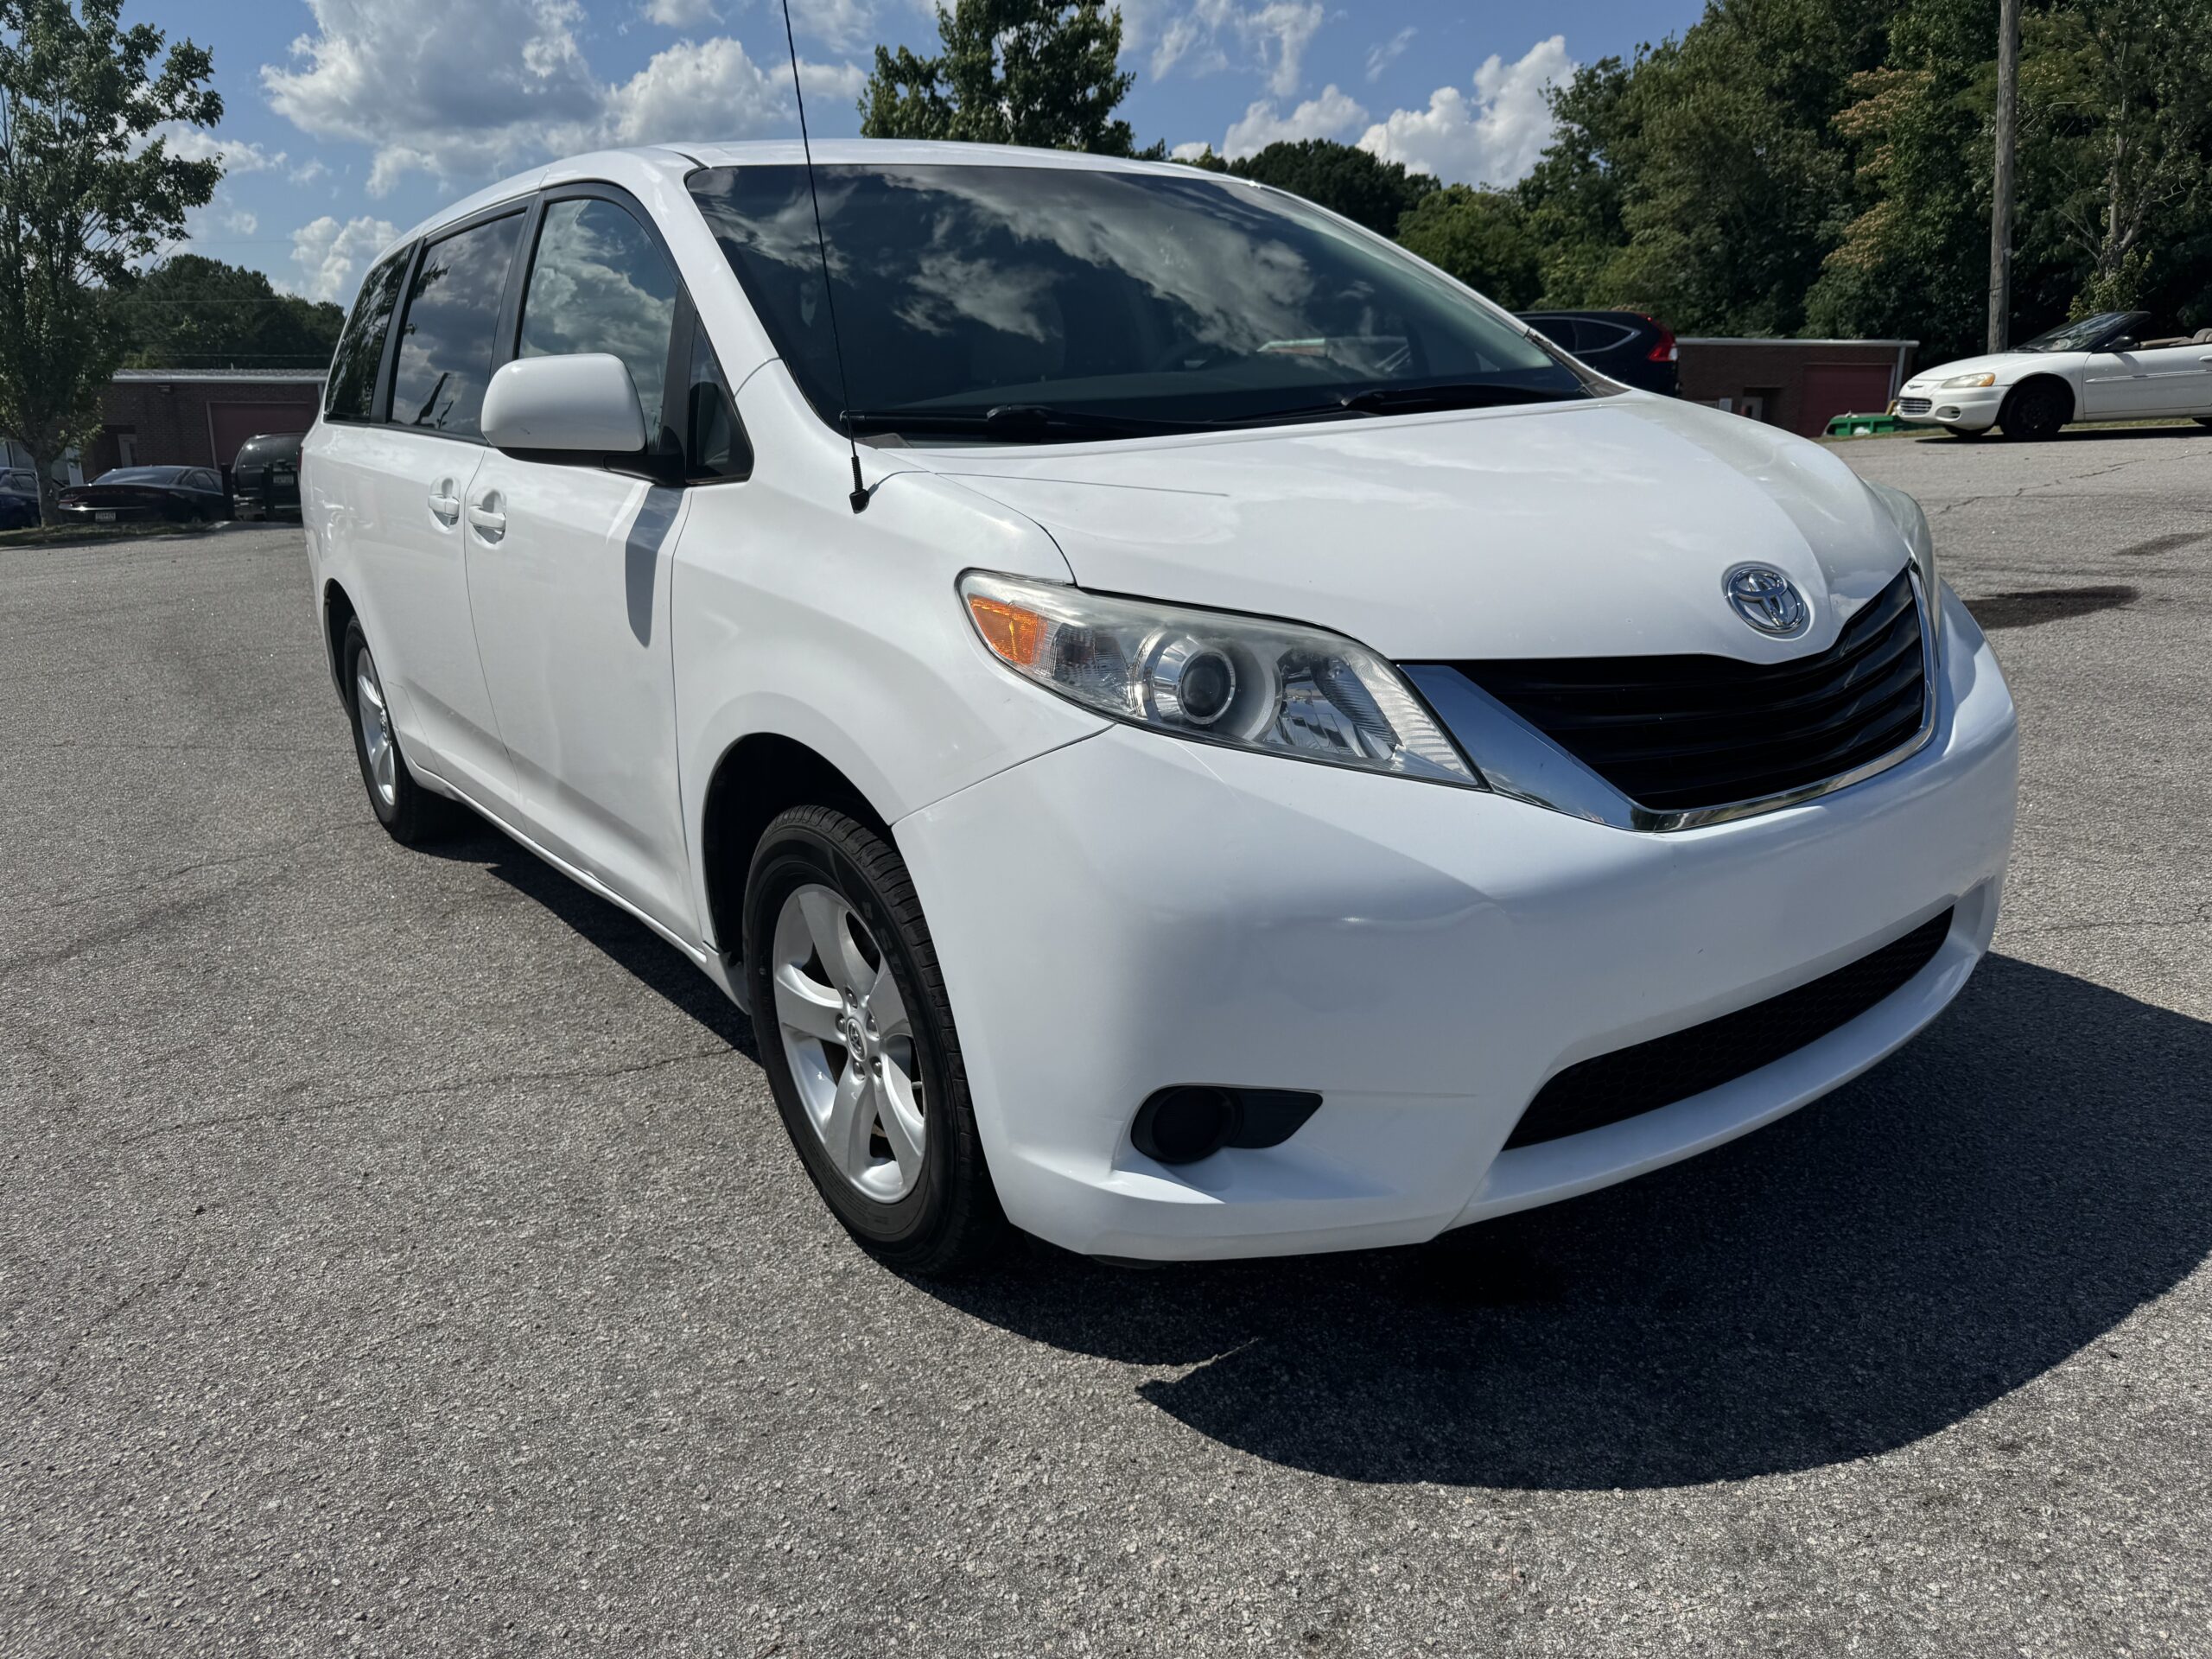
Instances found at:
x=360 y=348
x=715 y=444
x=1131 y=297
x=449 y=334
x=600 y=283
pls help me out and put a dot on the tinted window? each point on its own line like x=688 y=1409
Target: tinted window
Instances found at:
x=140 y=475
x=600 y=284
x=360 y=348
x=200 y=481
x=447 y=341
x=715 y=444
x=1149 y=294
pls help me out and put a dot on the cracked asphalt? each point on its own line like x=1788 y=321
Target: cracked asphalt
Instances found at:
x=400 y=1254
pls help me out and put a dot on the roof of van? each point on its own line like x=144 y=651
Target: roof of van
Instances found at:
x=673 y=160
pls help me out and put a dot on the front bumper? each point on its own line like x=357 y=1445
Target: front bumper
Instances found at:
x=1129 y=913
x=1973 y=409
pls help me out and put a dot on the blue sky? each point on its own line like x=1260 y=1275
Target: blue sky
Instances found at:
x=349 y=120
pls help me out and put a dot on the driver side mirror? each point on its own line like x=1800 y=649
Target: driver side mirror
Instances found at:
x=580 y=404
x=2125 y=343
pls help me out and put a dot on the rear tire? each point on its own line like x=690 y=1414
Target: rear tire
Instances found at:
x=857 y=1038
x=2035 y=412
x=408 y=812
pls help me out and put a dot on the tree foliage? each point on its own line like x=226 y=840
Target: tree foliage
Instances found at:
x=1038 y=73
x=1481 y=236
x=87 y=190
x=1823 y=166
x=191 y=312
x=1362 y=187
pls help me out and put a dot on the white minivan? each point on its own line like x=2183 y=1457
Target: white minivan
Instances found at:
x=1191 y=733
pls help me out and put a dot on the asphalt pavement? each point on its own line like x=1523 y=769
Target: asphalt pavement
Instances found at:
x=400 y=1253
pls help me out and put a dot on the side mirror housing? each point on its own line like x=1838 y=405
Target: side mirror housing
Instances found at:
x=579 y=404
x=2125 y=343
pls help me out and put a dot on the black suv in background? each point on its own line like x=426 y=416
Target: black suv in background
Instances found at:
x=265 y=477
x=1627 y=346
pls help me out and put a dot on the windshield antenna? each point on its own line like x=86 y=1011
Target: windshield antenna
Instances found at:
x=858 y=496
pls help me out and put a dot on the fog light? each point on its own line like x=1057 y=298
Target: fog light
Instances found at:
x=1191 y=1121
x=1183 y=1124
x=1949 y=412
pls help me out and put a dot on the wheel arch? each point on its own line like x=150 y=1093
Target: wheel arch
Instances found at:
x=2046 y=378
x=757 y=777
x=338 y=609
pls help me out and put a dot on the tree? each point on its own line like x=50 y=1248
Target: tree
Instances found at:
x=87 y=189
x=1039 y=73
x=191 y=312
x=1355 y=183
x=1481 y=236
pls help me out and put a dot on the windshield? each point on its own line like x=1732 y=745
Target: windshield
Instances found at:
x=2078 y=336
x=140 y=475
x=1072 y=299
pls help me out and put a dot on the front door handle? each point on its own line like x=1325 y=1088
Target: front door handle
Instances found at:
x=486 y=518
x=445 y=502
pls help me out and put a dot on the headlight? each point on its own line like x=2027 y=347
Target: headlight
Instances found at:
x=1984 y=379
x=1214 y=678
x=1912 y=525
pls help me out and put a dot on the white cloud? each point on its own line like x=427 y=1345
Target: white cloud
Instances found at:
x=238 y=219
x=332 y=257
x=467 y=90
x=681 y=14
x=1382 y=54
x=1272 y=35
x=1191 y=151
x=1495 y=138
x=1332 y=115
x=198 y=144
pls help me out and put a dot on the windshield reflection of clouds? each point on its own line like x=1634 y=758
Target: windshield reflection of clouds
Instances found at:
x=958 y=281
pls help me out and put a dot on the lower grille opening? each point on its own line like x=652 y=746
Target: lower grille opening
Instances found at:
x=1630 y=1081
x=1912 y=405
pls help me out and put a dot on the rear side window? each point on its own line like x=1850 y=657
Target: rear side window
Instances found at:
x=360 y=348
x=447 y=341
x=600 y=283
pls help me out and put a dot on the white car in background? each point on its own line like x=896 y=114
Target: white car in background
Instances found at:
x=2108 y=367
x=1194 y=734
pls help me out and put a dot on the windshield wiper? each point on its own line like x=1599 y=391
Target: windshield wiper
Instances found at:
x=1473 y=394
x=1017 y=422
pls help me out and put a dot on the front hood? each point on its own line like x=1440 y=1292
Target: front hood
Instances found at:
x=1591 y=529
x=2003 y=365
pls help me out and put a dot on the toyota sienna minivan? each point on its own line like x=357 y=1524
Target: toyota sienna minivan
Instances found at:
x=1190 y=733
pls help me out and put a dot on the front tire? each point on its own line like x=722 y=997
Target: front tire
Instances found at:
x=857 y=1038
x=410 y=813
x=2035 y=411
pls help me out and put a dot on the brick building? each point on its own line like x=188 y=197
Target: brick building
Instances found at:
x=1799 y=384
x=190 y=418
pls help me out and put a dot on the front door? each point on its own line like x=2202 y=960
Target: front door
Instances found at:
x=569 y=563
x=2126 y=384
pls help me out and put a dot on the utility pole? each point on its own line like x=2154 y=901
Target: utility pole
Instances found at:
x=2000 y=202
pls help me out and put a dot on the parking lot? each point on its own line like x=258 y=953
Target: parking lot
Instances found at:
x=401 y=1252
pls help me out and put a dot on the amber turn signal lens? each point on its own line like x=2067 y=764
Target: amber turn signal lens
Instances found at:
x=1013 y=632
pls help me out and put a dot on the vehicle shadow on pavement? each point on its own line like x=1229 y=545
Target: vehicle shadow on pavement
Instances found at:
x=1975 y=1212
x=654 y=963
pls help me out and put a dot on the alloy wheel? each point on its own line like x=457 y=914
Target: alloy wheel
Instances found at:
x=375 y=719
x=849 y=1042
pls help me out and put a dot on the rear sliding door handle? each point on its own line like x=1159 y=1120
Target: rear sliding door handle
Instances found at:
x=445 y=502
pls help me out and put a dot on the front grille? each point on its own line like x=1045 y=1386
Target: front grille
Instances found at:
x=1628 y=1081
x=1913 y=405
x=1677 y=733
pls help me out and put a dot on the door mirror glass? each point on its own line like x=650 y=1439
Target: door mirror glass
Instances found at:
x=579 y=404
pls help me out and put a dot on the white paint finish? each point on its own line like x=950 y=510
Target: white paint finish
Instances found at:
x=391 y=502
x=1601 y=528
x=571 y=605
x=2106 y=385
x=1424 y=957
x=1116 y=910
x=584 y=401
